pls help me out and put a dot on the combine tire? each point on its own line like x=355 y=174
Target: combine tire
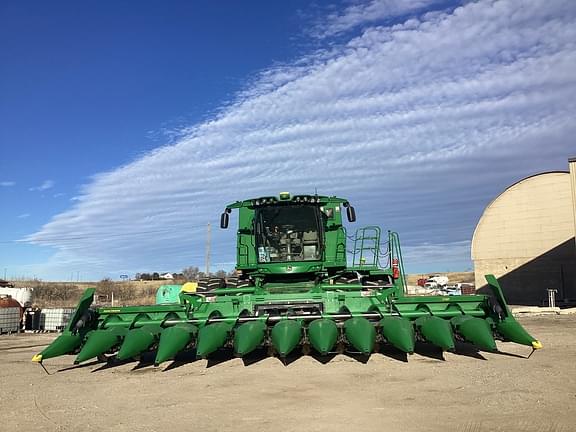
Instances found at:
x=232 y=282
x=210 y=284
x=214 y=283
x=203 y=284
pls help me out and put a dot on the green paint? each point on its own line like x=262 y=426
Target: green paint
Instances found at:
x=64 y=344
x=323 y=334
x=248 y=336
x=437 y=331
x=399 y=332
x=98 y=342
x=173 y=340
x=168 y=294
x=361 y=334
x=475 y=330
x=285 y=336
x=211 y=338
x=135 y=342
x=514 y=332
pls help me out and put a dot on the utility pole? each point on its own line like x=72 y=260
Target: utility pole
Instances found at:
x=208 y=232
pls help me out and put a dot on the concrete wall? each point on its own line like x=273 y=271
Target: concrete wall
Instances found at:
x=526 y=238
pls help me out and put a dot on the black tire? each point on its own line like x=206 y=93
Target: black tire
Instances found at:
x=214 y=283
x=243 y=283
x=203 y=284
x=232 y=282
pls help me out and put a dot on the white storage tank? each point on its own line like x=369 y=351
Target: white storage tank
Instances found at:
x=21 y=295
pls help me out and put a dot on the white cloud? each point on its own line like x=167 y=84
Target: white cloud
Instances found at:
x=369 y=12
x=46 y=184
x=23 y=215
x=7 y=183
x=420 y=124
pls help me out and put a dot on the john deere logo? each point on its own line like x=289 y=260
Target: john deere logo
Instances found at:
x=289 y=268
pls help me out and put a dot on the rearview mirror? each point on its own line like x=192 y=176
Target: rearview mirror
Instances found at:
x=351 y=214
x=224 y=219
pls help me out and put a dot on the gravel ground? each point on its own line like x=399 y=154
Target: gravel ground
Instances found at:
x=464 y=392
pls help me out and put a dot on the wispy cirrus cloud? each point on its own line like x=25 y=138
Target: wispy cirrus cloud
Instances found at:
x=23 y=215
x=420 y=123
x=366 y=13
x=46 y=184
x=7 y=183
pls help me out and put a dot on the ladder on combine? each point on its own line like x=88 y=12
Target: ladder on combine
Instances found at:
x=368 y=253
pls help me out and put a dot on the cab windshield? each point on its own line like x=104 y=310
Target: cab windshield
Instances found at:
x=288 y=233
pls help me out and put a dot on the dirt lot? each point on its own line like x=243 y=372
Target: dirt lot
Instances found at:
x=469 y=392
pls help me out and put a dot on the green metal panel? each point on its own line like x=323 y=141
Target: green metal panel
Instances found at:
x=335 y=235
x=246 y=249
x=168 y=294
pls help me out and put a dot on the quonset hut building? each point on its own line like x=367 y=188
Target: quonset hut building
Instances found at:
x=525 y=237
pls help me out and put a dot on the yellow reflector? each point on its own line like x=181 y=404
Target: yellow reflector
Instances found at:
x=37 y=358
x=536 y=344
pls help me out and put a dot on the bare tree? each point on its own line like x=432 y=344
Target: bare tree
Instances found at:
x=190 y=273
x=105 y=287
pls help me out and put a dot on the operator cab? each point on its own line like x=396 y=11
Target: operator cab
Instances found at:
x=288 y=232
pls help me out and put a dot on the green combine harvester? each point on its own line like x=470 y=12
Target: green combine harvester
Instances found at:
x=294 y=289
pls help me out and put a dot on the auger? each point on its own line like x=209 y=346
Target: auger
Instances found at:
x=294 y=289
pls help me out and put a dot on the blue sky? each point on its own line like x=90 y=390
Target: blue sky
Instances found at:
x=125 y=127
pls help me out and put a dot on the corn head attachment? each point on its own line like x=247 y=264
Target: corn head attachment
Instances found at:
x=294 y=289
